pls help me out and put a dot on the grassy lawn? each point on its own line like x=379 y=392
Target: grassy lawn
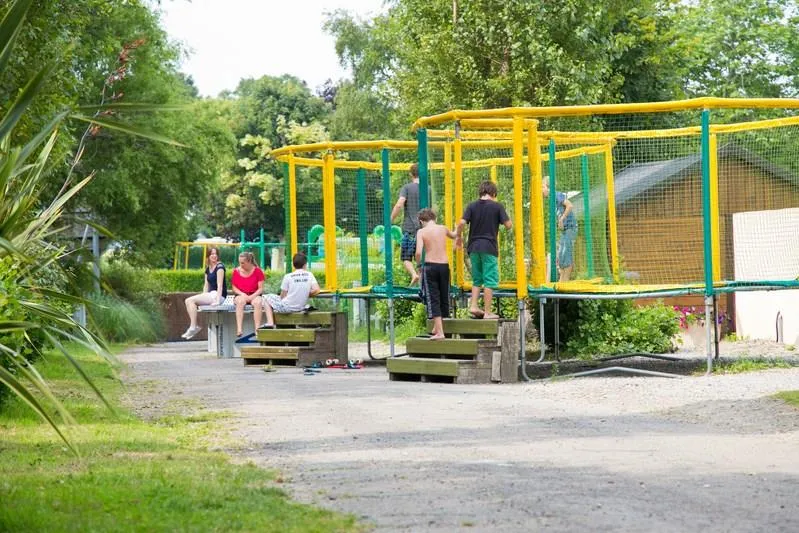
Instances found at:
x=790 y=396
x=134 y=475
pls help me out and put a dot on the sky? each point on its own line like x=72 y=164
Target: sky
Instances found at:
x=233 y=39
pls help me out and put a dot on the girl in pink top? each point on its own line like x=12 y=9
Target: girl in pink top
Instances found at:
x=248 y=285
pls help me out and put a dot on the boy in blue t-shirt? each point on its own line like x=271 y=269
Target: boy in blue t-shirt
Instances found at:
x=568 y=224
x=484 y=217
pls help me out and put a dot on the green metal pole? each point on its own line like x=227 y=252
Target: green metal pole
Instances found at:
x=708 y=249
x=388 y=245
x=241 y=241
x=424 y=189
x=263 y=248
x=589 y=244
x=553 y=218
x=706 y=230
x=362 y=214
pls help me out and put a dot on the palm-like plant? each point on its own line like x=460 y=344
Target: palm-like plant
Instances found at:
x=29 y=228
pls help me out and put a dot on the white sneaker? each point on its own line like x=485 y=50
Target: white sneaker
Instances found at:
x=191 y=332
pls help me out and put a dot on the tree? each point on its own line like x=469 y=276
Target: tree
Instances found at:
x=743 y=49
x=268 y=113
x=143 y=191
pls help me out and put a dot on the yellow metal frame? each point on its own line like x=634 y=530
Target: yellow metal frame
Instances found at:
x=505 y=128
x=614 y=234
x=293 y=205
x=448 y=214
x=460 y=274
x=715 y=233
x=607 y=109
x=518 y=208
x=329 y=215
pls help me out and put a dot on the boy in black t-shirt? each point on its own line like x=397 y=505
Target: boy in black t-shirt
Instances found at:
x=484 y=217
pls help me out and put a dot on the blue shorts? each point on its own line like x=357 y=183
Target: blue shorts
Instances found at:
x=566 y=248
x=408 y=246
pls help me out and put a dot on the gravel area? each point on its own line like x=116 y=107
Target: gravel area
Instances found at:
x=711 y=453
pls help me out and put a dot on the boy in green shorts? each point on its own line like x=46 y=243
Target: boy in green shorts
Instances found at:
x=484 y=217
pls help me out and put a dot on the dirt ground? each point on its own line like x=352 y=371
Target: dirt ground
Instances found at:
x=589 y=454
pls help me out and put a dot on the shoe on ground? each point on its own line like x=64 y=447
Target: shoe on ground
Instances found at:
x=267 y=326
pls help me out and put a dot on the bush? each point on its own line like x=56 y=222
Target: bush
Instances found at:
x=120 y=321
x=593 y=328
x=167 y=281
x=27 y=343
x=135 y=285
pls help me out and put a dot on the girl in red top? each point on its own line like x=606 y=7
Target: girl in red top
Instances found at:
x=248 y=285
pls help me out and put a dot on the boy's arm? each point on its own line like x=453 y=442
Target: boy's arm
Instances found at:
x=397 y=207
x=508 y=224
x=419 y=246
x=567 y=208
x=315 y=289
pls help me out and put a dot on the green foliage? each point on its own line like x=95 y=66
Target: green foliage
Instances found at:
x=791 y=397
x=740 y=366
x=594 y=328
x=120 y=321
x=142 y=191
x=167 y=281
x=126 y=460
x=741 y=49
x=133 y=284
x=266 y=113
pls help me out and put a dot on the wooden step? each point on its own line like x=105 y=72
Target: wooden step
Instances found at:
x=286 y=335
x=422 y=345
x=315 y=318
x=436 y=370
x=270 y=352
x=468 y=326
x=417 y=365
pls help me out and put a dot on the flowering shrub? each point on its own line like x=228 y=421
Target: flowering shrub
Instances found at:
x=690 y=315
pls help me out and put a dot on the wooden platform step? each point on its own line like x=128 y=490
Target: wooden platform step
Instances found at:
x=314 y=318
x=423 y=345
x=479 y=350
x=286 y=335
x=255 y=354
x=468 y=326
x=270 y=355
x=437 y=370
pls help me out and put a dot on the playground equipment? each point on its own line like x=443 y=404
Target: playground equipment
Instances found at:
x=657 y=187
x=228 y=251
x=183 y=252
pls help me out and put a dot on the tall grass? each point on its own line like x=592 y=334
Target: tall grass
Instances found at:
x=120 y=321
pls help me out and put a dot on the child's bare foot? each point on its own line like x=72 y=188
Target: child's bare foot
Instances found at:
x=239 y=334
x=476 y=313
x=414 y=279
x=490 y=316
x=437 y=337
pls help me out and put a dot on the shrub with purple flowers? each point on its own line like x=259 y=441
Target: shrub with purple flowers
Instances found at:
x=690 y=315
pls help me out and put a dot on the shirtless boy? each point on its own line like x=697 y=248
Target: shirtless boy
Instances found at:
x=432 y=238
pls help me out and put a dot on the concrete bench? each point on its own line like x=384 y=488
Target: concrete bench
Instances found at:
x=222 y=327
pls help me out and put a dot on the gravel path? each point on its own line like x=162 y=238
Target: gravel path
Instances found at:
x=623 y=454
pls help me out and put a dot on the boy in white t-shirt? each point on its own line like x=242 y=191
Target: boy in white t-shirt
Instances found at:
x=295 y=290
